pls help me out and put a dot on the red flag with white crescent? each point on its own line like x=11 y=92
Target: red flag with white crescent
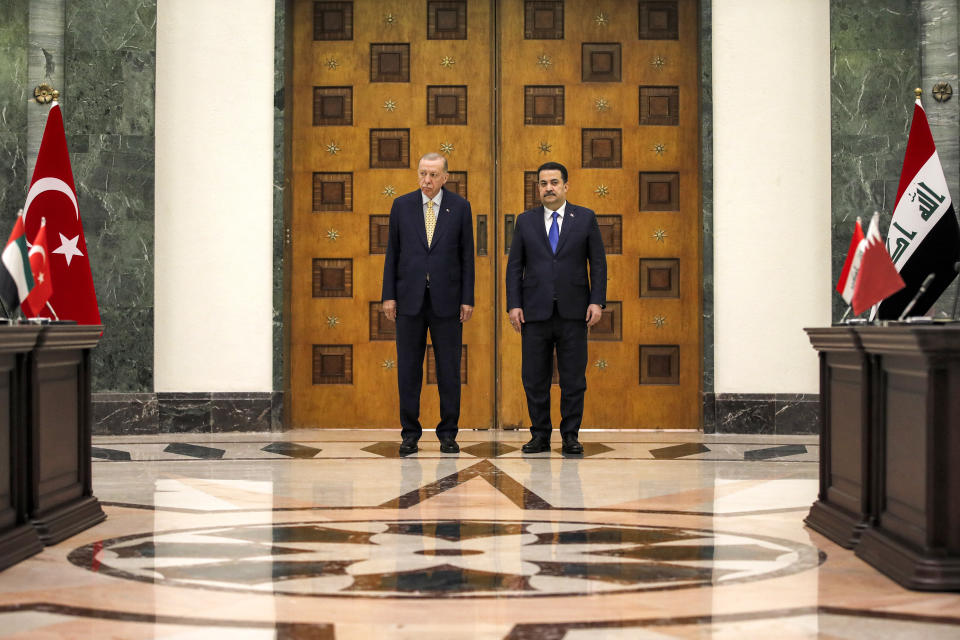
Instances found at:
x=36 y=302
x=52 y=196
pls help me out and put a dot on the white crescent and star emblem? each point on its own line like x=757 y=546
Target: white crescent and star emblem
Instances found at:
x=51 y=184
x=68 y=248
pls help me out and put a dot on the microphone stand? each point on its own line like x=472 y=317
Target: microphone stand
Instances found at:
x=922 y=290
x=956 y=295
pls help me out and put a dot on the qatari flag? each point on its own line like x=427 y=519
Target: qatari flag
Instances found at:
x=53 y=196
x=924 y=236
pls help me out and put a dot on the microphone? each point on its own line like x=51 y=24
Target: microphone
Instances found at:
x=922 y=290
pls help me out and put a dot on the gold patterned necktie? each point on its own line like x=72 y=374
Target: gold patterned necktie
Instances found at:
x=430 y=219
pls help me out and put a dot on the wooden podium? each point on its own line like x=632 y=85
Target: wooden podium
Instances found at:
x=842 y=509
x=18 y=538
x=61 y=501
x=915 y=534
x=904 y=518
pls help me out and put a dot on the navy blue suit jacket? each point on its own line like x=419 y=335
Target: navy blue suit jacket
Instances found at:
x=536 y=277
x=448 y=259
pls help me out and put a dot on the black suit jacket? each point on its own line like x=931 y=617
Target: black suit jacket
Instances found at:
x=536 y=277
x=448 y=259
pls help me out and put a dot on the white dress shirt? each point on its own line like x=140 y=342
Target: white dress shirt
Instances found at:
x=436 y=204
x=548 y=218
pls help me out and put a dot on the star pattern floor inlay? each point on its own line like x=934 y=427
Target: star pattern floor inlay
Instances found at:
x=444 y=558
x=330 y=534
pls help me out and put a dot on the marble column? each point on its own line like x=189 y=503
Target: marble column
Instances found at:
x=44 y=64
x=938 y=52
x=706 y=181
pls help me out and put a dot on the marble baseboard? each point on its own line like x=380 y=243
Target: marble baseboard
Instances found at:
x=125 y=414
x=156 y=413
x=761 y=413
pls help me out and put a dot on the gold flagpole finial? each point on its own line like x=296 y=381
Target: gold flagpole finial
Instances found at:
x=918 y=92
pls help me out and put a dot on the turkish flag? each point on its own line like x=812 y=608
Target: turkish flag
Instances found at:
x=53 y=196
x=36 y=302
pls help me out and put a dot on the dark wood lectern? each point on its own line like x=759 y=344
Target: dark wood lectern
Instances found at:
x=842 y=509
x=61 y=494
x=890 y=448
x=18 y=538
x=915 y=533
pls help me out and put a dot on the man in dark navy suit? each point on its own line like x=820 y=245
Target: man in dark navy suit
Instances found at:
x=428 y=284
x=552 y=300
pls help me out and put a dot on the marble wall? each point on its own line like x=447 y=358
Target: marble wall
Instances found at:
x=881 y=51
x=109 y=67
x=13 y=108
x=107 y=86
x=706 y=181
x=283 y=37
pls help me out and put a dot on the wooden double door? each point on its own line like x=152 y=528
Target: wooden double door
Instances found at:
x=608 y=88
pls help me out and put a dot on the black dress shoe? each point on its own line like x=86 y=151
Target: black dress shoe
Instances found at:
x=537 y=444
x=408 y=446
x=572 y=445
x=449 y=445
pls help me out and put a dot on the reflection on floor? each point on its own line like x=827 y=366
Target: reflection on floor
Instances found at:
x=332 y=535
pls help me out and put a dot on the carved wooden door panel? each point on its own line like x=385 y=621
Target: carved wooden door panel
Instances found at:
x=376 y=86
x=607 y=88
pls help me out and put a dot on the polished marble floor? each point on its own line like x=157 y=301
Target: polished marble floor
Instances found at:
x=330 y=534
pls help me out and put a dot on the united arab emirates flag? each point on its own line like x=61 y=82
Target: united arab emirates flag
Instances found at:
x=16 y=278
x=924 y=236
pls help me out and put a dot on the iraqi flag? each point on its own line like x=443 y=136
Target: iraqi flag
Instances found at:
x=52 y=196
x=851 y=266
x=16 y=278
x=924 y=236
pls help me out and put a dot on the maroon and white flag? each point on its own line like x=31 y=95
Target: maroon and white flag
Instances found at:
x=924 y=236
x=878 y=278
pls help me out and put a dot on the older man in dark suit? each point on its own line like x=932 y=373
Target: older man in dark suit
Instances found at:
x=428 y=284
x=552 y=305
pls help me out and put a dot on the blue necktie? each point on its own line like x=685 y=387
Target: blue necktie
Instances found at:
x=554 y=234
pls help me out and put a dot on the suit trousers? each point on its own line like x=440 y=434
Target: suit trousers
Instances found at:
x=446 y=334
x=538 y=342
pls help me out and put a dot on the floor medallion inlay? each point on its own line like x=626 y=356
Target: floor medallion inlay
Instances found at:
x=445 y=558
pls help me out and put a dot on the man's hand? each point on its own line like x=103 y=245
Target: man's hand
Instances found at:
x=516 y=318
x=390 y=309
x=594 y=312
x=465 y=312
